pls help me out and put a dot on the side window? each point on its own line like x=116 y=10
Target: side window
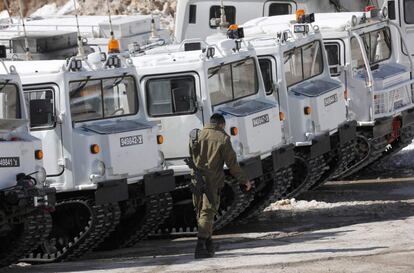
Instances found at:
x=171 y=96
x=391 y=10
x=193 y=14
x=357 y=59
x=41 y=107
x=214 y=17
x=332 y=50
x=266 y=69
x=279 y=9
x=409 y=11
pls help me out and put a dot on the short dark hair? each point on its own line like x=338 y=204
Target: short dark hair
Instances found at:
x=217 y=119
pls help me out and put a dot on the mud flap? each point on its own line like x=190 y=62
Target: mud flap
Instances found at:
x=159 y=182
x=382 y=127
x=252 y=167
x=111 y=191
x=407 y=117
x=347 y=132
x=283 y=157
x=320 y=145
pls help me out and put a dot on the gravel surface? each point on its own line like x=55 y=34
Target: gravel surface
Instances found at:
x=362 y=226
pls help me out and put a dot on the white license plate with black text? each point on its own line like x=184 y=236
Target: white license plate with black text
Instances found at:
x=9 y=162
x=260 y=120
x=331 y=99
x=131 y=140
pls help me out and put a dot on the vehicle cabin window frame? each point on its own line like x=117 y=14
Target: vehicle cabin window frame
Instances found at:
x=4 y=85
x=301 y=48
x=29 y=91
x=409 y=16
x=363 y=36
x=192 y=14
x=339 y=59
x=232 y=80
x=230 y=12
x=102 y=96
x=192 y=109
x=268 y=60
x=289 y=5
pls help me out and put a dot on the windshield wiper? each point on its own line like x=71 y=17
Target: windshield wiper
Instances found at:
x=82 y=84
x=289 y=56
x=4 y=85
x=119 y=80
x=240 y=63
x=215 y=71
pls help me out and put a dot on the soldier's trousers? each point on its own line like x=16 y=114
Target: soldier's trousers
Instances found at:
x=206 y=212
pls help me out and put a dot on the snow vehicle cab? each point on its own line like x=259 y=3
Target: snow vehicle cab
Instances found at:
x=184 y=84
x=25 y=199
x=295 y=71
x=362 y=53
x=101 y=154
x=201 y=18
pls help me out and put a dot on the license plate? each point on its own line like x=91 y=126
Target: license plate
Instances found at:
x=9 y=162
x=260 y=120
x=331 y=99
x=131 y=140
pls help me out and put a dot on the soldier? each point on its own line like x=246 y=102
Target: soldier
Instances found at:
x=210 y=149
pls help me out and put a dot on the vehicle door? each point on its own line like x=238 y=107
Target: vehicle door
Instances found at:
x=173 y=101
x=43 y=107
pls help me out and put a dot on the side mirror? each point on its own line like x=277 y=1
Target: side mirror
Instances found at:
x=41 y=112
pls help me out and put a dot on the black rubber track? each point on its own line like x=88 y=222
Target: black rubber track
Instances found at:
x=139 y=218
x=25 y=237
x=79 y=226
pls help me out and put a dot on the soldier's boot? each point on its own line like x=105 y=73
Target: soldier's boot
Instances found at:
x=211 y=246
x=201 y=250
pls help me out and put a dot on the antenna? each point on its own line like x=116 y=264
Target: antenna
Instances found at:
x=113 y=44
x=223 y=20
x=110 y=20
x=154 y=34
x=26 y=41
x=81 y=51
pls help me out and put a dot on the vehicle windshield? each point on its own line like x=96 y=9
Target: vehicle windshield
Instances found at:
x=302 y=63
x=93 y=99
x=233 y=81
x=377 y=46
x=9 y=101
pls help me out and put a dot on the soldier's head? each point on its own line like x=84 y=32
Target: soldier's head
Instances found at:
x=218 y=120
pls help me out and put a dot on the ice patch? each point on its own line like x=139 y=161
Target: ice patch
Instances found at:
x=46 y=10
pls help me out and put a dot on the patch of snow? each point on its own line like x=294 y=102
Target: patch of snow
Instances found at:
x=4 y=14
x=67 y=8
x=46 y=10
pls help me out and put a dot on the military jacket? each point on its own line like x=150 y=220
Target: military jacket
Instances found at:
x=214 y=149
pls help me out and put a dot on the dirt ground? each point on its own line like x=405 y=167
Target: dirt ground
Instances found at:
x=362 y=226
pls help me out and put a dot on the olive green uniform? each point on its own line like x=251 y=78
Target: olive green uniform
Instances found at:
x=213 y=150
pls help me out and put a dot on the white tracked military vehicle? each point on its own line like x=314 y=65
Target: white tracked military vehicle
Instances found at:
x=183 y=85
x=200 y=18
x=101 y=152
x=363 y=54
x=296 y=73
x=25 y=201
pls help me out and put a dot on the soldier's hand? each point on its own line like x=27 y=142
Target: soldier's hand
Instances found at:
x=248 y=185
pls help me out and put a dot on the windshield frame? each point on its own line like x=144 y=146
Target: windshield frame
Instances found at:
x=230 y=64
x=90 y=79
x=323 y=64
x=19 y=110
x=368 y=53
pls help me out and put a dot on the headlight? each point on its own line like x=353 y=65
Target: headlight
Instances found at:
x=98 y=168
x=41 y=175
